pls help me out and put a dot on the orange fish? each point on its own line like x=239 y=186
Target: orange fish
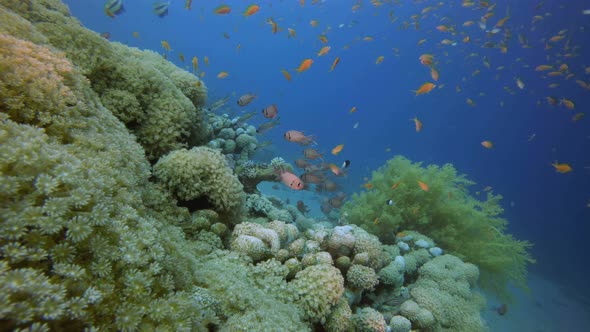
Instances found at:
x=335 y=63
x=423 y=185
x=195 y=62
x=336 y=170
x=426 y=59
x=324 y=50
x=487 y=144
x=368 y=185
x=424 y=88
x=567 y=103
x=286 y=74
x=292 y=33
x=305 y=65
x=418 y=124
x=275 y=26
x=165 y=45
x=323 y=39
x=222 y=74
x=353 y=109
x=562 y=167
x=434 y=74
x=395 y=185
x=222 y=10
x=251 y=10
x=336 y=150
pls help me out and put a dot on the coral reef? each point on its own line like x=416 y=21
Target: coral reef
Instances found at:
x=159 y=102
x=200 y=172
x=464 y=226
x=444 y=294
x=90 y=240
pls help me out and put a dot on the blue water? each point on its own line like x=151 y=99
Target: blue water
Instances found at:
x=547 y=208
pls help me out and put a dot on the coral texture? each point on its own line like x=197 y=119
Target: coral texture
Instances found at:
x=461 y=224
x=200 y=171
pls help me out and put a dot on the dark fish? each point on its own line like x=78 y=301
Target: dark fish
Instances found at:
x=302 y=207
x=345 y=164
x=326 y=208
x=105 y=35
x=502 y=309
x=161 y=8
x=263 y=128
x=389 y=202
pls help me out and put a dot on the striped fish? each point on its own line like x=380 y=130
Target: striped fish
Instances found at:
x=113 y=7
x=161 y=8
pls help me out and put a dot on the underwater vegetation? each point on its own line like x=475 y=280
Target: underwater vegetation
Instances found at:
x=436 y=201
x=101 y=143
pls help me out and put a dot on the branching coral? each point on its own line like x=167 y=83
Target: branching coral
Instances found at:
x=464 y=226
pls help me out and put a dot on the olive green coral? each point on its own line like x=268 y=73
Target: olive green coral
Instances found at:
x=464 y=226
x=445 y=292
x=81 y=233
x=164 y=100
x=317 y=289
x=200 y=172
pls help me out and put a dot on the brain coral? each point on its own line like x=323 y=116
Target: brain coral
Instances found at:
x=445 y=289
x=200 y=172
x=317 y=288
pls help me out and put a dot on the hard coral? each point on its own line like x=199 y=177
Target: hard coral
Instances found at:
x=82 y=233
x=168 y=97
x=200 y=172
x=317 y=289
x=445 y=288
x=369 y=320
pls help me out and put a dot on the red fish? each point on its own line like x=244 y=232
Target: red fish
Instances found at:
x=290 y=179
x=270 y=112
x=298 y=137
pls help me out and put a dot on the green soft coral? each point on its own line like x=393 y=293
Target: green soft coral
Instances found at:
x=459 y=223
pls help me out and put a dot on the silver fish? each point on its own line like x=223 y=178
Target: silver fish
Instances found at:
x=161 y=8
